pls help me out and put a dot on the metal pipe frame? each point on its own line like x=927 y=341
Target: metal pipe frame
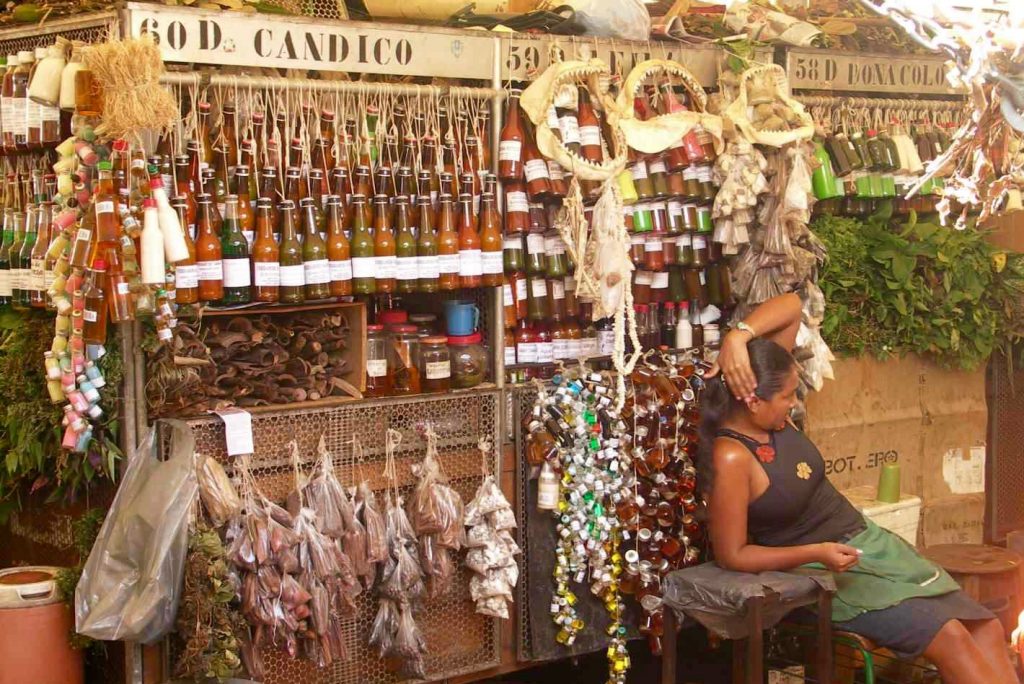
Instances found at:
x=368 y=87
x=883 y=102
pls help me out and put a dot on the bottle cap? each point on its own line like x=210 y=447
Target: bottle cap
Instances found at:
x=104 y=166
x=149 y=203
x=99 y=265
x=120 y=145
x=872 y=132
x=670 y=305
x=156 y=182
x=26 y=56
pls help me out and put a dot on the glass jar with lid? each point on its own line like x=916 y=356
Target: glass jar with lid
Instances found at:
x=468 y=359
x=426 y=323
x=377 y=384
x=403 y=357
x=435 y=364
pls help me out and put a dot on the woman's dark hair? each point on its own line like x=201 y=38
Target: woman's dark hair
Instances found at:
x=771 y=365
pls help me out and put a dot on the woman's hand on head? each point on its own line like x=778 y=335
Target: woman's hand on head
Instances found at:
x=838 y=557
x=734 y=364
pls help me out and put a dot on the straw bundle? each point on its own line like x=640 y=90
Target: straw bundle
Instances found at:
x=128 y=72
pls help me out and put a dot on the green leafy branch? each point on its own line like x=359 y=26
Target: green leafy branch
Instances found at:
x=31 y=458
x=918 y=287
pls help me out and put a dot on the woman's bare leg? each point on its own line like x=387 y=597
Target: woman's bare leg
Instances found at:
x=959 y=658
x=991 y=639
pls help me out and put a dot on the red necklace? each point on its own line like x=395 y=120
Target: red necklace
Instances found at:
x=765 y=453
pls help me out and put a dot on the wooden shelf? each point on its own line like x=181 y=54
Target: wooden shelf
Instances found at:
x=260 y=308
x=572 y=362
x=332 y=402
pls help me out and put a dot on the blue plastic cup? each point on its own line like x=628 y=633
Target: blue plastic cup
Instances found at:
x=462 y=316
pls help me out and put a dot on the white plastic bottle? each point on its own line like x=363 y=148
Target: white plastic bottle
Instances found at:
x=152 y=245
x=684 y=331
x=175 y=248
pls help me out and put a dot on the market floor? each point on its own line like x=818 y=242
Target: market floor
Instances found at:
x=698 y=664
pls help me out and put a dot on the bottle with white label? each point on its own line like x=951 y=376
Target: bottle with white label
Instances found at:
x=209 y=269
x=234 y=256
x=377 y=384
x=95 y=310
x=510 y=145
x=684 y=330
x=435 y=364
x=427 y=268
x=448 y=257
x=315 y=265
x=526 y=343
x=266 y=269
x=363 y=259
x=406 y=265
x=605 y=337
x=548 y=488
x=6 y=110
x=186 y=274
x=291 y=274
x=470 y=262
x=19 y=98
x=152 y=245
x=122 y=304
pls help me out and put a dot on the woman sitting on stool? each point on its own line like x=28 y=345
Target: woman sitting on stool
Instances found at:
x=772 y=508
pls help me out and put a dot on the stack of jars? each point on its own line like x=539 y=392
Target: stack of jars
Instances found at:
x=409 y=354
x=667 y=201
x=544 y=322
x=668 y=198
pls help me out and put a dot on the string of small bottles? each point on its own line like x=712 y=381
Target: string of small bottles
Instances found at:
x=575 y=435
x=659 y=505
x=667 y=200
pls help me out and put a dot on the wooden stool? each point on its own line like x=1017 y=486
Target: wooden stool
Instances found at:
x=748 y=661
x=988 y=574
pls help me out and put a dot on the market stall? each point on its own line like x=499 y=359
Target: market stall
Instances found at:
x=413 y=321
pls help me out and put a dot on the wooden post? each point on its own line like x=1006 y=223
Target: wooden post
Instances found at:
x=755 y=642
x=668 y=646
x=824 y=637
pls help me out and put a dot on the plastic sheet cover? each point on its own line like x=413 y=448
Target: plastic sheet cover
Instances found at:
x=717 y=598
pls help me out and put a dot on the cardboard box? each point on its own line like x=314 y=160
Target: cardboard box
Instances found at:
x=956 y=519
x=930 y=420
x=868 y=416
x=902 y=518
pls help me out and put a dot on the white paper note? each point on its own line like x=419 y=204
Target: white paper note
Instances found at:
x=237 y=430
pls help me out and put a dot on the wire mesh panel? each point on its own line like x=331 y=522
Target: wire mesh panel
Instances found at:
x=1004 y=476
x=324 y=9
x=88 y=28
x=522 y=399
x=459 y=641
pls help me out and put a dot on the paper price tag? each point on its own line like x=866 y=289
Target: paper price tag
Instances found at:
x=237 y=430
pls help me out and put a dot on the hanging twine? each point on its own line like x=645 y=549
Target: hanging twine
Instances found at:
x=392 y=439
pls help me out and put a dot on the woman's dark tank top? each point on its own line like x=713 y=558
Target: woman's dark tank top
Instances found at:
x=800 y=505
